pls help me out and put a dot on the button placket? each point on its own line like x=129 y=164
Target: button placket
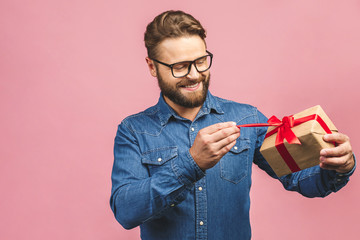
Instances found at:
x=201 y=208
x=200 y=196
x=192 y=132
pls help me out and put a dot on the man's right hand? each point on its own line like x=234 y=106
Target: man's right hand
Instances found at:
x=213 y=142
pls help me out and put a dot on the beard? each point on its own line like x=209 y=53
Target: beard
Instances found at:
x=191 y=99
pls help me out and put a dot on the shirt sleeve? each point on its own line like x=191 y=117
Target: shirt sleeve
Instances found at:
x=137 y=197
x=310 y=182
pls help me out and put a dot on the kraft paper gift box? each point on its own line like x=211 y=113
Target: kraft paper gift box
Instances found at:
x=308 y=126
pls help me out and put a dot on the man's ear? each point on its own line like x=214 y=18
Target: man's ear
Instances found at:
x=151 y=66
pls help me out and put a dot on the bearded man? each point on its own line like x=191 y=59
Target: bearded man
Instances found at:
x=182 y=170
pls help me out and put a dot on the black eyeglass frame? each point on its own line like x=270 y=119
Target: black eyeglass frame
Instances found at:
x=191 y=63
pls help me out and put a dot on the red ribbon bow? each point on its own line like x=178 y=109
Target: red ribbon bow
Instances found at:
x=284 y=130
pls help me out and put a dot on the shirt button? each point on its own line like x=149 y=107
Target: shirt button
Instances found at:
x=200 y=188
x=339 y=180
x=192 y=129
x=201 y=223
x=172 y=205
x=159 y=159
x=235 y=147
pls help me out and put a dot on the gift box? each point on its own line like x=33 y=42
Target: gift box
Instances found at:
x=294 y=143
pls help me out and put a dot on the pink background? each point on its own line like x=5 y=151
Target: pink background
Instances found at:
x=70 y=71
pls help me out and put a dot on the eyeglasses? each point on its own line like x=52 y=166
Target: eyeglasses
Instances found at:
x=181 y=69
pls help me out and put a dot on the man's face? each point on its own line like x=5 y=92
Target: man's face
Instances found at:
x=189 y=91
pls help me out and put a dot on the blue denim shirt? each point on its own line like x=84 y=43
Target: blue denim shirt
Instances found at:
x=156 y=183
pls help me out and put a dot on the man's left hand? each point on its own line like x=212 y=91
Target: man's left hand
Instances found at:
x=339 y=158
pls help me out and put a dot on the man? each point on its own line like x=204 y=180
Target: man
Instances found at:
x=182 y=170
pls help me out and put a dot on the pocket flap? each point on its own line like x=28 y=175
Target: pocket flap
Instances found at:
x=240 y=145
x=159 y=156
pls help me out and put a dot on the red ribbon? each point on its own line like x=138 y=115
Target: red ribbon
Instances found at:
x=283 y=130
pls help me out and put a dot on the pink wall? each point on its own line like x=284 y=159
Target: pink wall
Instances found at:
x=70 y=71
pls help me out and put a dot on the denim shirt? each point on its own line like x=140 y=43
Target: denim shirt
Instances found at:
x=156 y=183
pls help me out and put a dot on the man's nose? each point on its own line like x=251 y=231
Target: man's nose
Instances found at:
x=193 y=74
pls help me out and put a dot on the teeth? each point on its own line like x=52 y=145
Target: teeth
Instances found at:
x=192 y=86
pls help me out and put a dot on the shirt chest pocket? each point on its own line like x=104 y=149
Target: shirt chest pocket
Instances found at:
x=234 y=166
x=158 y=159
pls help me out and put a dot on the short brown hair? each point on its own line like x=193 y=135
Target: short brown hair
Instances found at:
x=171 y=24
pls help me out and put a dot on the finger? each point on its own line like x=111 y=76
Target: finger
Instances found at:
x=333 y=161
x=340 y=169
x=224 y=133
x=338 y=151
x=227 y=148
x=335 y=137
x=218 y=126
x=226 y=141
x=328 y=167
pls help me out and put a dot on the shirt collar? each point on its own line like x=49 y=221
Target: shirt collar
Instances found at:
x=166 y=112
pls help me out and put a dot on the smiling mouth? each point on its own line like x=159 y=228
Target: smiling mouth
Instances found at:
x=191 y=86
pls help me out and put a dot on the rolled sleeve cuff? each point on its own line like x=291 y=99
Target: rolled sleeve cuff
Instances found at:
x=339 y=180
